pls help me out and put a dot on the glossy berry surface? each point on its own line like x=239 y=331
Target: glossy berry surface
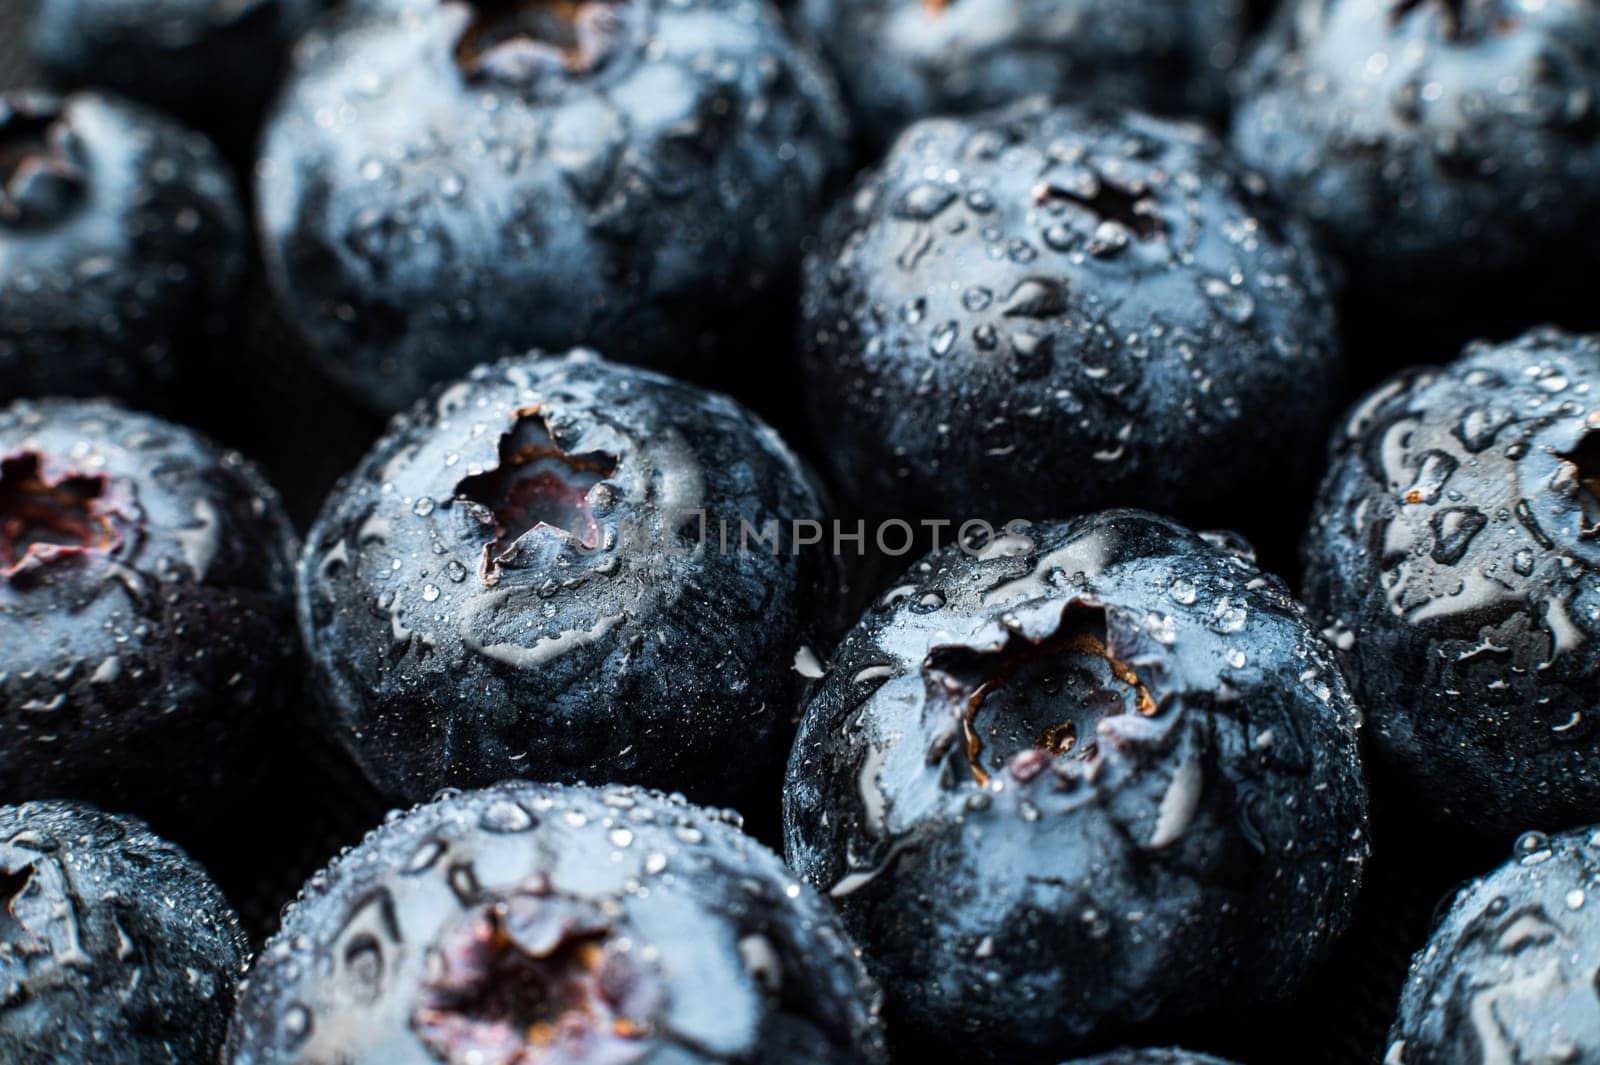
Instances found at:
x=902 y=60
x=632 y=175
x=115 y=947
x=1453 y=558
x=121 y=248
x=1100 y=778
x=146 y=611
x=529 y=923
x=1434 y=142
x=1040 y=311
x=1509 y=972
x=212 y=64
x=527 y=575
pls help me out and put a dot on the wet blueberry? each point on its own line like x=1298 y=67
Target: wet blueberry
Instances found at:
x=902 y=60
x=448 y=182
x=1453 y=558
x=115 y=947
x=533 y=924
x=1080 y=785
x=542 y=571
x=1509 y=975
x=1040 y=311
x=212 y=64
x=121 y=248
x=146 y=611
x=1435 y=143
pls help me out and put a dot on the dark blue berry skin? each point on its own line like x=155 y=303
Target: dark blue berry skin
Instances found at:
x=146 y=612
x=903 y=60
x=213 y=65
x=1100 y=780
x=496 y=177
x=611 y=903
x=1436 y=144
x=594 y=634
x=115 y=947
x=1040 y=311
x=1452 y=558
x=1508 y=974
x=121 y=249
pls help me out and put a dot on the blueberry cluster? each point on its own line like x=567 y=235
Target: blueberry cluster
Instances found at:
x=780 y=614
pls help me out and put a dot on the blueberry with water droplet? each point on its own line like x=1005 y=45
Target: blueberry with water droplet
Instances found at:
x=604 y=927
x=214 y=65
x=1057 y=785
x=115 y=947
x=448 y=182
x=1023 y=363
x=146 y=612
x=902 y=60
x=1449 y=152
x=121 y=249
x=1458 y=537
x=1509 y=973
x=628 y=589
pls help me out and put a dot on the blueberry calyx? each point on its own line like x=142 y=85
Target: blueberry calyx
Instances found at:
x=536 y=978
x=1584 y=462
x=41 y=165
x=536 y=485
x=1131 y=207
x=1071 y=680
x=43 y=520
x=528 y=43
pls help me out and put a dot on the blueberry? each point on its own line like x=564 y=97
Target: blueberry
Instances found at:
x=1509 y=973
x=901 y=60
x=115 y=947
x=212 y=64
x=530 y=574
x=1453 y=558
x=146 y=611
x=1039 y=311
x=1074 y=788
x=539 y=923
x=1435 y=143
x=121 y=248
x=506 y=174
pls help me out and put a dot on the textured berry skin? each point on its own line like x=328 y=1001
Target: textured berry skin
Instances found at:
x=212 y=64
x=715 y=951
x=901 y=60
x=1452 y=557
x=146 y=611
x=121 y=249
x=462 y=644
x=115 y=947
x=1509 y=972
x=1040 y=311
x=1102 y=779
x=1434 y=143
x=472 y=200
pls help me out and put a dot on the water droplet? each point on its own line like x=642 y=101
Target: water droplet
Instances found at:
x=1236 y=306
x=504 y=816
x=924 y=201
